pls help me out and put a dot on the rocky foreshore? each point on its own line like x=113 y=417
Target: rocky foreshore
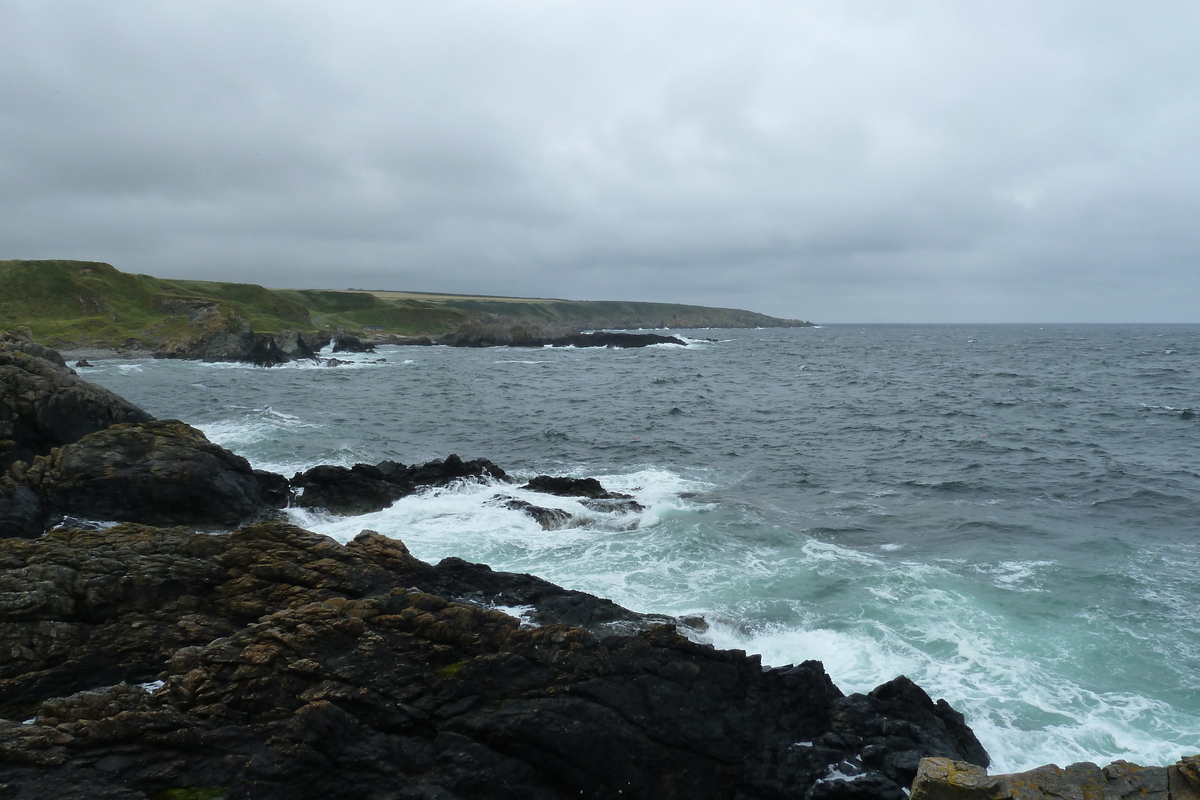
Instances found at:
x=234 y=340
x=255 y=659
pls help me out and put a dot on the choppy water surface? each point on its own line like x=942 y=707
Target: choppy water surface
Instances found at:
x=1010 y=515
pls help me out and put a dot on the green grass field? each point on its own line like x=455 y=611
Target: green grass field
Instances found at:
x=73 y=304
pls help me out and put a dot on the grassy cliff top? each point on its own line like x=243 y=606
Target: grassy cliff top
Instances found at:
x=92 y=304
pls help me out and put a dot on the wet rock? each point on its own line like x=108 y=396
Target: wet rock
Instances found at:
x=551 y=519
x=296 y=667
x=162 y=472
x=523 y=333
x=83 y=362
x=345 y=490
x=44 y=404
x=346 y=343
x=218 y=334
x=594 y=495
x=365 y=488
x=895 y=750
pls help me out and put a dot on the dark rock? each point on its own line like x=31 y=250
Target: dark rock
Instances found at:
x=295 y=346
x=1187 y=413
x=895 y=750
x=294 y=667
x=43 y=404
x=22 y=341
x=530 y=334
x=551 y=519
x=441 y=473
x=613 y=505
x=596 y=497
x=275 y=491
x=611 y=339
x=346 y=343
x=365 y=488
x=217 y=334
x=570 y=487
x=153 y=472
x=22 y=511
x=263 y=351
x=342 y=490
x=83 y=362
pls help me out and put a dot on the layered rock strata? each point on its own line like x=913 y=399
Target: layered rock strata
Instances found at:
x=154 y=472
x=44 y=404
x=944 y=779
x=276 y=663
x=364 y=488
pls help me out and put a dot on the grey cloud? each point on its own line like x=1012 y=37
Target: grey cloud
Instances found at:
x=868 y=161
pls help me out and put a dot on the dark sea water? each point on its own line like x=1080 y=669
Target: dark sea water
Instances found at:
x=1009 y=515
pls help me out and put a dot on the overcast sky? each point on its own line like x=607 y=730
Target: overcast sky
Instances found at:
x=840 y=161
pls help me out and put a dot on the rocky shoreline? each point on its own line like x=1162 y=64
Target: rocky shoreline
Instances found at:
x=203 y=647
x=233 y=339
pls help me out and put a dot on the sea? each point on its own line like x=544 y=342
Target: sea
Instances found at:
x=1007 y=514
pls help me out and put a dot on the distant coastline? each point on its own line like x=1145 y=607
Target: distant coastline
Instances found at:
x=89 y=305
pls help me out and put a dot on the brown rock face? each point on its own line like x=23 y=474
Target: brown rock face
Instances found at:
x=944 y=779
x=43 y=404
x=296 y=667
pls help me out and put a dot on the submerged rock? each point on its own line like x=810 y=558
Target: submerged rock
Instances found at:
x=295 y=667
x=550 y=519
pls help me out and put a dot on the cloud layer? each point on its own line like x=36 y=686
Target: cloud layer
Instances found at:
x=838 y=161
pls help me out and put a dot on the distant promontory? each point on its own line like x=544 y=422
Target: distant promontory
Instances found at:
x=88 y=304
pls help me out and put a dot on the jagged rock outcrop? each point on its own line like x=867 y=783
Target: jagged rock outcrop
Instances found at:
x=22 y=340
x=529 y=334
x=161 y=472
x=218 y=334
x=550 y=519
x=346 y=343
x=44 y=404
x=593 y=494
x=294 y=667
x=364 y=488
x=945 y=779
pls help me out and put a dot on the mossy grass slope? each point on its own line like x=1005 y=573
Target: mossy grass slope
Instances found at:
x=73 y=304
